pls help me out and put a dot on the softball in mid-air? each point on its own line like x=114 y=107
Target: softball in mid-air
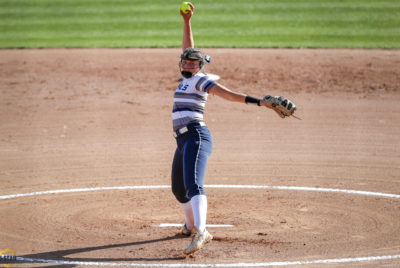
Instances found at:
x=185 y=7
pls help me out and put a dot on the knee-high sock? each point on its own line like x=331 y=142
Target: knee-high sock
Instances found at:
x=199 y=206
x=188 y=212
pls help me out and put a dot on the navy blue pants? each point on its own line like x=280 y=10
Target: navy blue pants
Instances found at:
x=190 y=162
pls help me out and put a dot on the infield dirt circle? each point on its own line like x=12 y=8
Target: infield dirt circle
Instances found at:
x=78 y=118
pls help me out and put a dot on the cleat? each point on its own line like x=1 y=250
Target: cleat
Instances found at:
x=198 y=241
x=185 y=230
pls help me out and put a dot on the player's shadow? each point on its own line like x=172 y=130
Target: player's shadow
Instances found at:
x=60 y=255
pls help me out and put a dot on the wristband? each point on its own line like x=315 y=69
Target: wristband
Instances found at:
x=252 y=100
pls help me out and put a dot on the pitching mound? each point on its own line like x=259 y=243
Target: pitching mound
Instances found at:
x=90 y=118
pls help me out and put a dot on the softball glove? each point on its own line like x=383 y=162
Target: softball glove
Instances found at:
x=282 y=106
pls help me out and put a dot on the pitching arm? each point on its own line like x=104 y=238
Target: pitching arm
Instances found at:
x=187 y=37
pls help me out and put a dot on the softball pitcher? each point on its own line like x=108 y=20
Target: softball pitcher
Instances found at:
x=193 y=138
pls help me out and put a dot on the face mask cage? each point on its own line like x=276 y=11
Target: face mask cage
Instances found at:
x=188 y=74
x=191 y=65
x=185 y=74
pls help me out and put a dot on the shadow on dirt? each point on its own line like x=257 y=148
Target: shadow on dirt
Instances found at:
x=52 y=257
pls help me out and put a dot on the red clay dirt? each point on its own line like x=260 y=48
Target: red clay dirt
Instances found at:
x=77 y=118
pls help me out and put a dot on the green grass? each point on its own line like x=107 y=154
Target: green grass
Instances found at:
x=223 y=23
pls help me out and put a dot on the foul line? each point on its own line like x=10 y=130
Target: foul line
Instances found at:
x=260 y=264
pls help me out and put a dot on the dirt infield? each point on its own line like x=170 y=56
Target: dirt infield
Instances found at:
x=85 y=118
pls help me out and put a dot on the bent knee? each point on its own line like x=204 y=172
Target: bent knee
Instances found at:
x=180 y=195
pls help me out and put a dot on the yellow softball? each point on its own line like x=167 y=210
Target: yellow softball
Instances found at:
x=185 y=7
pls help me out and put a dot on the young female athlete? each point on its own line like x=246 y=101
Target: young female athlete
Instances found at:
x=194 y=140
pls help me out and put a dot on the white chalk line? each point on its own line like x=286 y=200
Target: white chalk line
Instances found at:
x=137 y=187
x=260 y=264
x=241 y=264
x=86 y=190
x=162 y=225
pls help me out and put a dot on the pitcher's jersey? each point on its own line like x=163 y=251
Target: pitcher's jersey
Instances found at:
x=190 y=100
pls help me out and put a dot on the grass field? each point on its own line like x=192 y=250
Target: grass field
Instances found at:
x=223 y=23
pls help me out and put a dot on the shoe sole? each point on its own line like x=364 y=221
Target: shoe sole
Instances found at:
x=198 y=248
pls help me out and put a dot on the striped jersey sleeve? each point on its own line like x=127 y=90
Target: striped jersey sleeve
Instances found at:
x=204 y=84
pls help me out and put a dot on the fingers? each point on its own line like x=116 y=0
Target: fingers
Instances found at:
x=191 y=6
x=187 y=16
x=190 y=12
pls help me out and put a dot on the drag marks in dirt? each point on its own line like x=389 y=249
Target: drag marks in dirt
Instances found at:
x=232 y=240
x=248 y=241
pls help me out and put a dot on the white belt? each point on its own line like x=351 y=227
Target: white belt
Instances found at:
x=183 y=130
